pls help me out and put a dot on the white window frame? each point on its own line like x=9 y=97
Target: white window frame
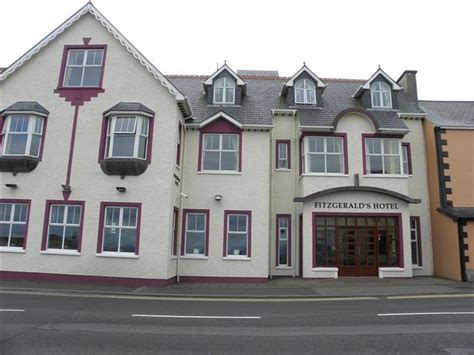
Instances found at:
x=84 y=65
x=33 y=122
x=227 y=83
x=285 y=158
x=120 y=227
x=140 y=122
x=305 y=89
x=246 y=233
x=63 y=224
x=286 y=229
x=11 y=222
x=415 y=230
x=406 y=159
x=220 y=150
x=307 y=153
x=186 y=230
x=383 y=154
x=381 y=88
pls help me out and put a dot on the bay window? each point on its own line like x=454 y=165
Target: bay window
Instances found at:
x=22 y=135
x=237 y=238
x=220 y=152
x=383 y=156
x=324 y=155
x=127 y=137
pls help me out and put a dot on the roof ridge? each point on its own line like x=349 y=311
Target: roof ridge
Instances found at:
x=258 y=77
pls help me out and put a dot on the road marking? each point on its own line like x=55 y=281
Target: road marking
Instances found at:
x=423 y=314
x=456 y=295
x=194 y=317
x=185 y=298
x=11 y=310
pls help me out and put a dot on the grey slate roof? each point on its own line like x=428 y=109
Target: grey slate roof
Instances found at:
x=130 y=107
x=269 y=73
x=263 y=95
x=27 y=106
x=450 y=113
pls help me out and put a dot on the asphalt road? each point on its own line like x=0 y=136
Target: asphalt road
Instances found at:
x=44 y=324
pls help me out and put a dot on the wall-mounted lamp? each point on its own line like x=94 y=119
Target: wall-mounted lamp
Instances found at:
x=13 y=186
x=218 y=197
x=66 y=188
x=121 y=188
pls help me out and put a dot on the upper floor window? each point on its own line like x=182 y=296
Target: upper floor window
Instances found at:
x=22 y=135
x=220 y=152
x=406 y=159
x=383 y=156
x=324 y=155
x=83 y=68
x=178 y=144
x=305 y=92
x=13 y=224
x=381 y=95
x=224 y=91
x=127 y=137
x=283 y=154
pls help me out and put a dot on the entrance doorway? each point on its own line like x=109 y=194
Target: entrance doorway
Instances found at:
x=356 y=244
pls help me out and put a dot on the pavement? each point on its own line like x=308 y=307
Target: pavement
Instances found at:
x=275 y=288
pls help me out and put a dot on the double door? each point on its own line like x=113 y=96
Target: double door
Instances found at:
x=357 y=251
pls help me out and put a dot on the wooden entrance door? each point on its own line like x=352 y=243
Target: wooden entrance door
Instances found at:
x=357 y=251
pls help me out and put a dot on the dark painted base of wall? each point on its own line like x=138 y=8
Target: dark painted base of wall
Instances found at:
x=120 y=281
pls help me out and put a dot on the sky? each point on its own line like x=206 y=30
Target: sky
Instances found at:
x=335 y=38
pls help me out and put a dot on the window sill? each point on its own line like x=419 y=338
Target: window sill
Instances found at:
x=194 y=257
x=60 y=252
x=390 y=176
x=173 y=257
x=283 y=170
x=214 y=172
x=417 y=267
x=79 y=88
x=325 y=175
x=12 y=250
x=283 y=268
x=325 y=268
x=236 y=258
x=117 y=255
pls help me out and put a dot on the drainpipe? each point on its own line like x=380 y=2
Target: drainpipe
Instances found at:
x=295 y=169
x=270 y=204
x=462 y=257
x=180 y=202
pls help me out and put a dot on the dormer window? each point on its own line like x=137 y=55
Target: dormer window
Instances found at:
x=305 y=92
x=381 y=95
x=224 y=91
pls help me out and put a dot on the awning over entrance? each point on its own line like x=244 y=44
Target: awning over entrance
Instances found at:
x=357 y=189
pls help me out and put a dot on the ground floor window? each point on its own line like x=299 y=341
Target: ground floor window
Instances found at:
x=64 y=226
x=195 y=232
x=13 y=224
x=415 y=239
x=356 y=241
x=237 y=238
x=283 y=241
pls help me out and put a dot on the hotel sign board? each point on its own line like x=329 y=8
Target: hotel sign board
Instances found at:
x=358 y=205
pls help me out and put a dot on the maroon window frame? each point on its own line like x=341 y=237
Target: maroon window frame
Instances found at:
x=62 y=71
x=249 y=232
x=370 y=135
x=410 y=166
x=174 y=243
x=277 y=254
x=21 y=201
x=47 y=213
x=287 y=143
x=206 y=212
x=397 y=216
x=100 y=233
x=103 y=137
x=418 y=241
x=178 y=144
x=324 y=134
x=43 y=134
x=220 y=126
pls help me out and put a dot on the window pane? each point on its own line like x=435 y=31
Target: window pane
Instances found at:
x=76 y=57
x=242 y=223
x=123 y=145
x=5 y=211
x=229 y=142
x=200 y=222
x=73 y=215
x=282 y=151
x=73 y=76
x=91 y=76
x=71 y=238
x=387 y=99
x=374 y=146
x=19 y=124
x=218 y=95
x=211 y=161
x=16 y=144
x=127 y=241
x=310 y=96
x=112 y=216
x=236 y=244
x=299 y=96
x=376 y=99
x=195 y=243
x=233 y=220
x=229 y=95
x=4 y=234
x=35 y=145
x=316 y=163
x=375 y=165
x=283 y=254
x=142 y=145
x=144 y=130
x=111 y=236
x=94 y=57
x=334 y=163
x=390 y=146
x=211 y=141
x=57 y=214
x=229 y=161
x=55 y=237
x=319 y=144
x=392 y=165
x=18 y=235
x=20 y=213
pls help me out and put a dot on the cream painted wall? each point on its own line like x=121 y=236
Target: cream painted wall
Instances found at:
x=248 y=190
x=125 y=79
